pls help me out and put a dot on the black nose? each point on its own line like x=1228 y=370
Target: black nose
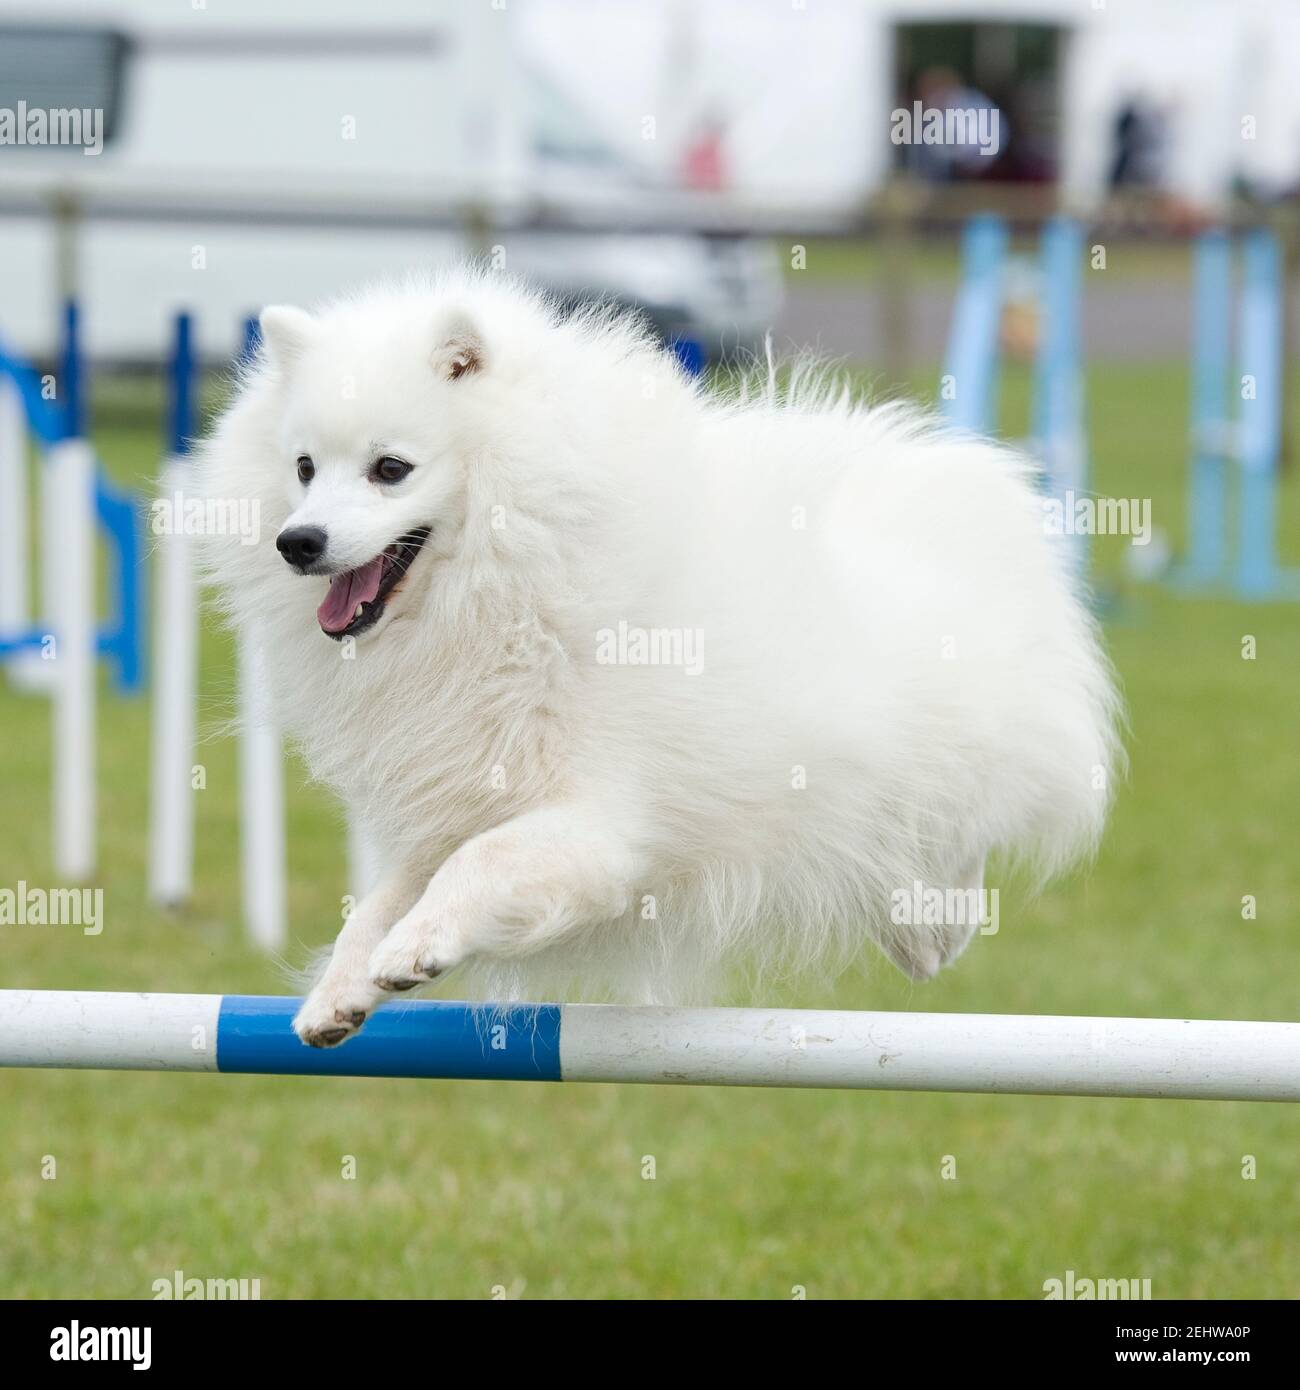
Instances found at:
x=302 y=546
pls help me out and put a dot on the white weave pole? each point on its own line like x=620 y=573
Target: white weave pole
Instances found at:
x=33 y=671
x=261 y=800
x=69 y=495
x=175 y=693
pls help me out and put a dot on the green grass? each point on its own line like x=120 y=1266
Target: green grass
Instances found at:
x=461 y=1188
x=935 y=258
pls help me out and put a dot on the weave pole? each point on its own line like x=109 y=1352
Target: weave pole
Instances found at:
x=1262 y=346
x=969 y=388
x=1059 y=432
x=69 y=481
x=1014 y=1053
x=176 y=652
x=263 y=855
x=1212 y=429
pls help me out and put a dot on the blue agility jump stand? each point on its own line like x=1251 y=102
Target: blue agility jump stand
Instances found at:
x=968 y=394
x=1210 y=425
x=1058 y=366
x=1249 y=445
x=121 y=640
x=1259 y=441
x=252 y=340
x=969 y=389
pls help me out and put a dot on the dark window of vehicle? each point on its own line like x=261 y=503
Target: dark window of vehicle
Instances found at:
x=45 y=69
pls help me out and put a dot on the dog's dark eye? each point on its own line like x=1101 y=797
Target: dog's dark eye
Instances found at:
x=306 y=469
x=389 y=470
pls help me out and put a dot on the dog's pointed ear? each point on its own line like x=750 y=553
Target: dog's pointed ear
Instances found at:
x=459 y=351
x=287 y=332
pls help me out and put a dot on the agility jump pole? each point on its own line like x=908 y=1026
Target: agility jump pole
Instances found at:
x=1013 y=1053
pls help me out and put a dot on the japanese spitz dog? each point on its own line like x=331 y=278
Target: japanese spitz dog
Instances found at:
x=635 y=687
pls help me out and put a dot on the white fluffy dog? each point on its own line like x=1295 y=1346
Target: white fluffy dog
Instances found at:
x=632 y=685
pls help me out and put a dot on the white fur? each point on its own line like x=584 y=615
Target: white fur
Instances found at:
x=897 y=678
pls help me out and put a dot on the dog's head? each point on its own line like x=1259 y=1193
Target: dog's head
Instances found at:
x=443 y=457
x=370 y=414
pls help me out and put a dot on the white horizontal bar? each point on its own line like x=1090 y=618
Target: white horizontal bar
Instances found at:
x=1023 y=1053
x=119 y=1032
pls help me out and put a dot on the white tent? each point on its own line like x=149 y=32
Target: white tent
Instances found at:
x=807 y=87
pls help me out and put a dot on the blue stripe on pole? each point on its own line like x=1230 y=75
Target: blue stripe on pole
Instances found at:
x=690 y=354
x=252 y=339
x=180 y=423
x=122 y=638
x=429 y=1038
x=31 y=640
x=73 y=372
x=45 y=418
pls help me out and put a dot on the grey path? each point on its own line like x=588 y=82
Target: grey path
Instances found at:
x=1129 y=320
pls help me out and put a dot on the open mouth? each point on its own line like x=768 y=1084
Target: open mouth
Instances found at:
x=357 y=598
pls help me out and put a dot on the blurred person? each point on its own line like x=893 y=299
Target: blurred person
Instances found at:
x=704 y=159
x=1138 y=134
x=942 y=89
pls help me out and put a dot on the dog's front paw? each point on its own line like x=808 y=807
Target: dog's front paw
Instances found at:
x=328 y=1020
x=410 y=956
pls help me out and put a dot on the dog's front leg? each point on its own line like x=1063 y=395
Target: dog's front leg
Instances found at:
x=338 y=1004
x=512 y=891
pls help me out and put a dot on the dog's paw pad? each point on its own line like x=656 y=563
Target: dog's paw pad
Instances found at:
x=398 y=981
x=326 y=1027
x=395 y=986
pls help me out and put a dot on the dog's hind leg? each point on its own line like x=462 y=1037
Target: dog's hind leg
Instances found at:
x=344 y=995
x=512 y=891
x=922 y=949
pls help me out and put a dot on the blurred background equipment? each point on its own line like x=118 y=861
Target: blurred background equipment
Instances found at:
x=1236 y=450
x=296 y=150
x=968 y=388
x=52 y=647
x=631 y=153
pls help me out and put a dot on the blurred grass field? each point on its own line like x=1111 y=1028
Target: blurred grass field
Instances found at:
x=461 y=1188
x=936 y=259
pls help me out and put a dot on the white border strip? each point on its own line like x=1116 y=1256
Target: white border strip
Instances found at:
x=1021 y=1053
x=119 y=1032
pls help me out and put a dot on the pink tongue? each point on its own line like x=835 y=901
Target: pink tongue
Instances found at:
x=348 y=590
